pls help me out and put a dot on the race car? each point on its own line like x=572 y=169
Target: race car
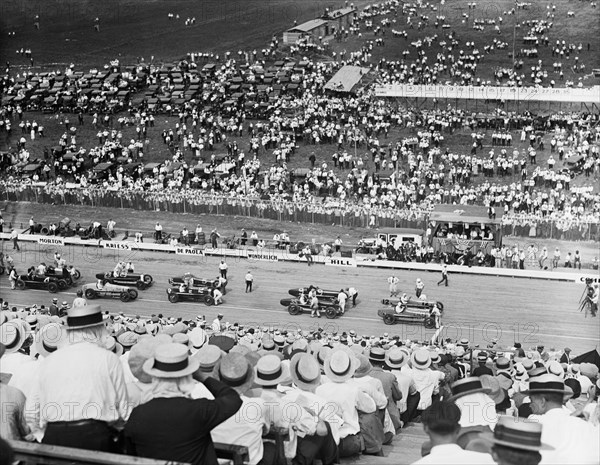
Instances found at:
x=295 y=307
x=49 y=283
x=415 y=311
x=62 y=273
x=141 y=281
x=194 y=281
x=95 y=291
x=320 y=292
x=196 y=294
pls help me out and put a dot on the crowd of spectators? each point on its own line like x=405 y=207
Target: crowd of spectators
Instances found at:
x=267 y=114
x=192 y=382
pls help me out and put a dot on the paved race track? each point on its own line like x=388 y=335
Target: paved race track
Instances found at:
x=477 y=307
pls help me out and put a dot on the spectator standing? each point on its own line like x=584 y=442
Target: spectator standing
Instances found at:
x=12 y=401
x=14 y=237
x=444 y=276
x=249 y=280
x=254 y=238
x=337 y=244
x=577 y=260
x=94 y=376
x=223 y=269
x=556 y=258
x=214 y=235
x=171 y=425
x=158 y=232
x=110 y=227
x=13 y=277
x=244 y=237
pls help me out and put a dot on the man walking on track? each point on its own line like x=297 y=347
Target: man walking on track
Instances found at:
x=14 y=236
x=444 y=276
x=393 y=282
x=249 y=281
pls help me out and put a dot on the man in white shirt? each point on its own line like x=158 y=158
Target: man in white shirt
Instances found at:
x=574 y=440
x=223 y=269
x=216 y=325
x=76 y=377
x=345 y=399
x=441 y=423
x=426 y=380
x=342 y=297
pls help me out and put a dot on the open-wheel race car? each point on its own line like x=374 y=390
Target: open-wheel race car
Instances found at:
x=194 y=281
x=49 y=283
x=414 y=311
x=195 y=294
x=95 y=291
x=141 y=281
x=63 y=273
x=328 y=305
x=320 y=292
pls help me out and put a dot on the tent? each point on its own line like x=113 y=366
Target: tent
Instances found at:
x=592 y=357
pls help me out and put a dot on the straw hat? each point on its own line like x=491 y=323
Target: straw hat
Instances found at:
x=377 y=354
x=305 y=371
x=140 y=354
x=396 y=358
x=517 y=433
x=420 y=359
x=503 y=365
x=340 y=366
x=181 y=338
x=234 y=370
x=207 y=357
x=48 y=339
x=546 y=384
x=87 y=316
x=110 y=343
x=269 y=371
x=197 y=338
x=170 y=361
x=364 y=368
x=464 y=387
x=13 y=334
x=490 y=383
x=322 y=354
x=127 y=339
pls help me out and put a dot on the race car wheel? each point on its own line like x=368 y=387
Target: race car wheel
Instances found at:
x=173 y=298
x=125 y=296
x=20 y=284
x=62 y=284
x=388 y=319
x=294 y=309
x=216 y=283
x=147 y=278
x=90 y=294
x=141 y=285
x=68 y=280
x=53 y=287
x=440 y=306
x=209 y=300
x=330 y=312
x=133 y=293
x=76 y=274
x=429 y=323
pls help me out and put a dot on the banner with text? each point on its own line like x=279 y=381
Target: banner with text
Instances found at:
x=262 y=256
x=346 y=262
x=189 y=251
x=520 y=94
x=51 y=241
x=117 y=245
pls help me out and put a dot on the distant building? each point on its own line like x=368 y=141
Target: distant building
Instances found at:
x=327 y=25
x=310 y=30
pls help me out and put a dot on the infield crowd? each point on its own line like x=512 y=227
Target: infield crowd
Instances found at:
x=168 y=387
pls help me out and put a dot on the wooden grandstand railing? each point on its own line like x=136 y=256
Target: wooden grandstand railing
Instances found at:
x=44 y=454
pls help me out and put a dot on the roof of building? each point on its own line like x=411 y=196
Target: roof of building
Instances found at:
x=339 y=13
x=308 y=25
x=346 y=78
x=463 y=214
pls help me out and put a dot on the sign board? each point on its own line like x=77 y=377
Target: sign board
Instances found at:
x=51 y=240
x=116 y=245
x=516 y=94
x=262 y=256
x=189 y=251
x=344 y=262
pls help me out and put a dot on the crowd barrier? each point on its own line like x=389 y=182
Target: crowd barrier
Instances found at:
x=199 y=203
x=275 y=255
